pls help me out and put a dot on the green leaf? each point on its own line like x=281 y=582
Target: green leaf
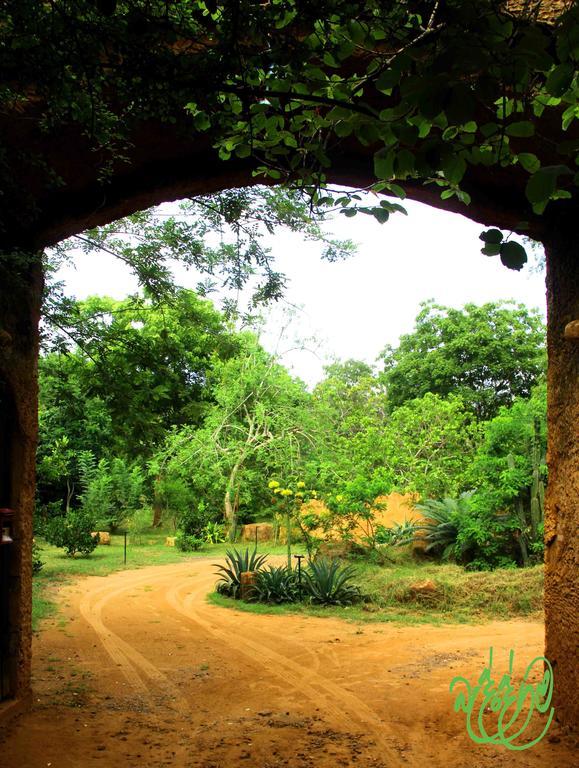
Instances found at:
x=380 y=214
x=522 y=129
x=201 y=121
x=491 y=249
x=513 y=255
x=543 y=183
x=384 y=164
x=560 y=79
x=493 y=236
x=454 y=169
x=529 y=161
x=388 y=80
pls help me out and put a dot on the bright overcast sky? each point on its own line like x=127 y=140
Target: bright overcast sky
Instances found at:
x=354 y=308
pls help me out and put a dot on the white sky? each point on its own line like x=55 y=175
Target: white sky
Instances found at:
x=354 y=308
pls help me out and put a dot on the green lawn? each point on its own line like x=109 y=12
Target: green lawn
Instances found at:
x=59 y=568
x=458 y=595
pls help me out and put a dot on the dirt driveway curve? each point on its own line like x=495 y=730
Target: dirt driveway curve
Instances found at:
x=143 y=671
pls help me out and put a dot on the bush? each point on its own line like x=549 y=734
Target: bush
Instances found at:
x=37 y=562
x=188 y=543
x=276 y=584
x=329 y=583
x=194 y=519
x=139 y=523
x=236 y=564
x=455 y=530
x=214 y=533
x=397 y=533
x=72 y=532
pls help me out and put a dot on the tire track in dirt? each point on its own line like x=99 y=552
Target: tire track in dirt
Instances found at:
x=314 y=686
x=129 y=661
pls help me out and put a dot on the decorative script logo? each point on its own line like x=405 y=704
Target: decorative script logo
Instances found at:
x=514 y=707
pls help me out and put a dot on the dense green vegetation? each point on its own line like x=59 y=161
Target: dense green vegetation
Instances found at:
x=447 y=94
x=161 y=415
x=159 y=411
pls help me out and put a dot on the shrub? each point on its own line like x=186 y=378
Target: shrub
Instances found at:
x=194 y=519
x=139 y=523
x=276 y=584
x=187 y=543
x=72 y=532
x=441 y=528
x=37 y=562
x=329 y=583
x=214 y=533
x=456 y=530
x=397 y=533
x=236 y=564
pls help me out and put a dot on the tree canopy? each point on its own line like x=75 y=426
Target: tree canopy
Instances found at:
x=487 y=354
x=478 y=101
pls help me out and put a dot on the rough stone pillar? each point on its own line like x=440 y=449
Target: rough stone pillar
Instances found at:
x=20 y=297
x=562 y=500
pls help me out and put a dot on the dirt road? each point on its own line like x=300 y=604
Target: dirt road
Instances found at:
x=140 y=670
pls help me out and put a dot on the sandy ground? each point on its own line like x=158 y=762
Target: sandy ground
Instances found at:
x=144 y=671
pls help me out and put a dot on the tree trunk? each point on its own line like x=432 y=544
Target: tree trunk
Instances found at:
x=562 y=497
x=157 y=504
x=21 y=289
x=229 y=508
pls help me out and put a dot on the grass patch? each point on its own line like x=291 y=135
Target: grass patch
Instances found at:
x=455 y=595
x=58 y=568
x=42 y=606
x=505 y=593
x=354 y=613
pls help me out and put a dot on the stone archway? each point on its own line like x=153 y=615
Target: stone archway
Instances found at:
x=166 y=161
x=18 y=364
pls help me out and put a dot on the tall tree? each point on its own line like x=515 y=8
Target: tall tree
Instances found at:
x=488 y=355
x=147 y=363
x=257 y=426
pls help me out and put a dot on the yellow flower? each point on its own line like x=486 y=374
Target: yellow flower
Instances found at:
x=277 y=490
x=314 y=494
x=273 y=484
x=339 y=497
x=301 y=485
x=299 y=494
x=286 y=492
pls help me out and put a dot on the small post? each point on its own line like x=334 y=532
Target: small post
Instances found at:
x=125 y=554
x=256 y=536
x=247 y=581
x=299 y=558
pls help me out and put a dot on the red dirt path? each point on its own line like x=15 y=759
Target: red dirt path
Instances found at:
x=146 y=672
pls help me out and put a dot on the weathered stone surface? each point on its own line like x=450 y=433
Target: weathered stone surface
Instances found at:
x=19 y=317
x=562 y=497
x=170 y=541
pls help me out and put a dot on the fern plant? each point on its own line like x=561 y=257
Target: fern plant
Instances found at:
x=237 y=563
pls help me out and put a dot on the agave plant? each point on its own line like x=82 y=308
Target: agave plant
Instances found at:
x=441 y=528
x=329 y=583
x=398 y=533
x=237 y=563
x=276 y=584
